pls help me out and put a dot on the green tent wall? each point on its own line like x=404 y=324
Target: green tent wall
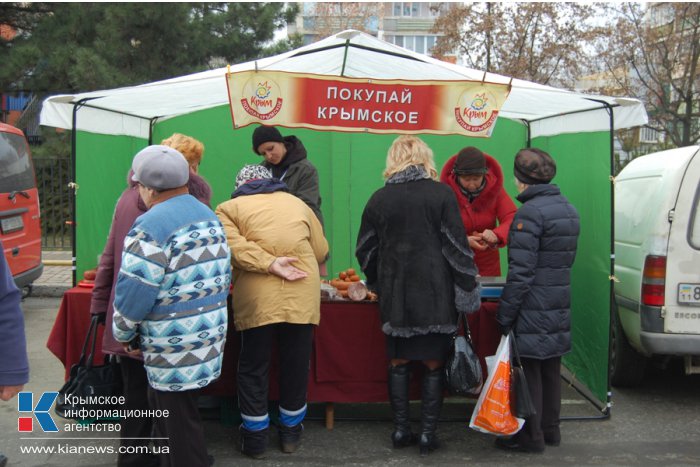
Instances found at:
x=350 y=167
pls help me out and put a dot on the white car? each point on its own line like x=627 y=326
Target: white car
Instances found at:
x=657 y=263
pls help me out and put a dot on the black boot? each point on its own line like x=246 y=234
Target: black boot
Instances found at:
x=398 y=396
x=254 y=443
x=430 y=409
x=290 y=437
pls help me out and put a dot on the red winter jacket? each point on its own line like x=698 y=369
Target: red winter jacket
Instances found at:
x=491 y=205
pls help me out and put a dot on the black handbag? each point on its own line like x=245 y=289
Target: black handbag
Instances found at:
x=90 y=387
x=463 y=370
x=521 y=404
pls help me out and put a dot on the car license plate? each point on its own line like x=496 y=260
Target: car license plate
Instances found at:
x=10 y=224
x=689 y=294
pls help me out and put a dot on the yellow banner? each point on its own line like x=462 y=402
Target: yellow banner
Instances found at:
x=321 y=102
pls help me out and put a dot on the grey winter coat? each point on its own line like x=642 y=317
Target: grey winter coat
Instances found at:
x=536 y=299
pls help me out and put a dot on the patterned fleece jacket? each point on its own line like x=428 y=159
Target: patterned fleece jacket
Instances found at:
x=171 y=293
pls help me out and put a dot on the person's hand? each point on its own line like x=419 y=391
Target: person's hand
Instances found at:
x=131 y=351
x=283 y=268
x=505 y=330
x=8 y=392
x=489 y=237
x=476 y=242
x=323 y=270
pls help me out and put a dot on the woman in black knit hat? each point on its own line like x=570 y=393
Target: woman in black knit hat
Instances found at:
x=285 y=156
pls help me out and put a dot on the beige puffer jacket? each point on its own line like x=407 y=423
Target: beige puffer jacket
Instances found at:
x=259 y=228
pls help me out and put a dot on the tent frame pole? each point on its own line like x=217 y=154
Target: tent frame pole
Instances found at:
x=611 y=115
x=345 y=57
x=73 y=156
x=73 y=186
x=609 y=108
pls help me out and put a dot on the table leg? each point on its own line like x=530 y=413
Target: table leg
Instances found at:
x=330 y=415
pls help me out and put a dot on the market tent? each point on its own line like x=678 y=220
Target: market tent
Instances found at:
x=131 y=110
x=112 y=125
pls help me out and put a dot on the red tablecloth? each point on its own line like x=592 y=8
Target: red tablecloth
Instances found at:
x=71 y=326
x=348 y=359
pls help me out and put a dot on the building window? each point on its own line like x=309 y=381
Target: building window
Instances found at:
x=420 y=44
x=406 y=9
x=649 y=135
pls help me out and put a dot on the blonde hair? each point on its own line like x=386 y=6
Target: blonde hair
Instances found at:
x=409 y=150
x=191 y=148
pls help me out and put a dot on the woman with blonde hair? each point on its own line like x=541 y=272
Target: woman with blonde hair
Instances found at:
x=413 y=250
x=193 y=150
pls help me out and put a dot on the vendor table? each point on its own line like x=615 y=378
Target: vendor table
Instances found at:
x=348 y=361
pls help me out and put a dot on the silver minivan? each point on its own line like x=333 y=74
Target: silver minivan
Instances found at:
x=657 y=264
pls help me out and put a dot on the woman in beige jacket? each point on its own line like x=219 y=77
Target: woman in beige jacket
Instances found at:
x=277 y=244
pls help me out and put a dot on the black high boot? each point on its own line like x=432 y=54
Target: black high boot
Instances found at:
x=398 y=396
x=430 y=409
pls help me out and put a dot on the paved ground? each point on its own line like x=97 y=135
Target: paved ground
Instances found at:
x=55 y=279
x=654 y=425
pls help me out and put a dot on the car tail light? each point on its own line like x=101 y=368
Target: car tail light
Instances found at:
x=654 y=281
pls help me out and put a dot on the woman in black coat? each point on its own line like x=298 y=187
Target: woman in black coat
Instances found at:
x=413 y=250
x=536 y=299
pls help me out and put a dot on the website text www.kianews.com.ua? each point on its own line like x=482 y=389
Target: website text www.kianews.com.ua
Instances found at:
x=71 y=449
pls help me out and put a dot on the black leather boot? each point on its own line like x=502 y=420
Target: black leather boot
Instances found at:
x=430 y=409
x=398 y=396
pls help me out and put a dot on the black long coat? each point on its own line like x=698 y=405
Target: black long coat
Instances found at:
x=536 y=299
x=412 y=248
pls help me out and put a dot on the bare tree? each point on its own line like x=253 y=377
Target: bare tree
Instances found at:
x=541 y=42
x=333 y=17
x=653 y=53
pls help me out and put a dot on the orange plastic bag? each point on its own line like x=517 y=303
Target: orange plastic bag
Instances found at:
x=492 y=411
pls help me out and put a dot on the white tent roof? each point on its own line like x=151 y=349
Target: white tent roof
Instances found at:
x=128 y=111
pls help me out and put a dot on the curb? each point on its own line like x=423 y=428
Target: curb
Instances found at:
x=48 y=290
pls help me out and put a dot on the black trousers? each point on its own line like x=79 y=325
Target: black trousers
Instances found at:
x=136 y=386
x=182 y=429
x=544 y=381
x=294 y=350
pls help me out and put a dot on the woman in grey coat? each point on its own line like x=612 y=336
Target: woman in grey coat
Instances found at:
x=536 y=300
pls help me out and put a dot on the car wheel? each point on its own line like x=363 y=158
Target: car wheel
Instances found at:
x=627 y=366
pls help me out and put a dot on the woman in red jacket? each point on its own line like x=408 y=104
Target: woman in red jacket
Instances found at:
x=487 y=211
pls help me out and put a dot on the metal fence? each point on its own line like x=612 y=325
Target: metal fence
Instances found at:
x=52 y=178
